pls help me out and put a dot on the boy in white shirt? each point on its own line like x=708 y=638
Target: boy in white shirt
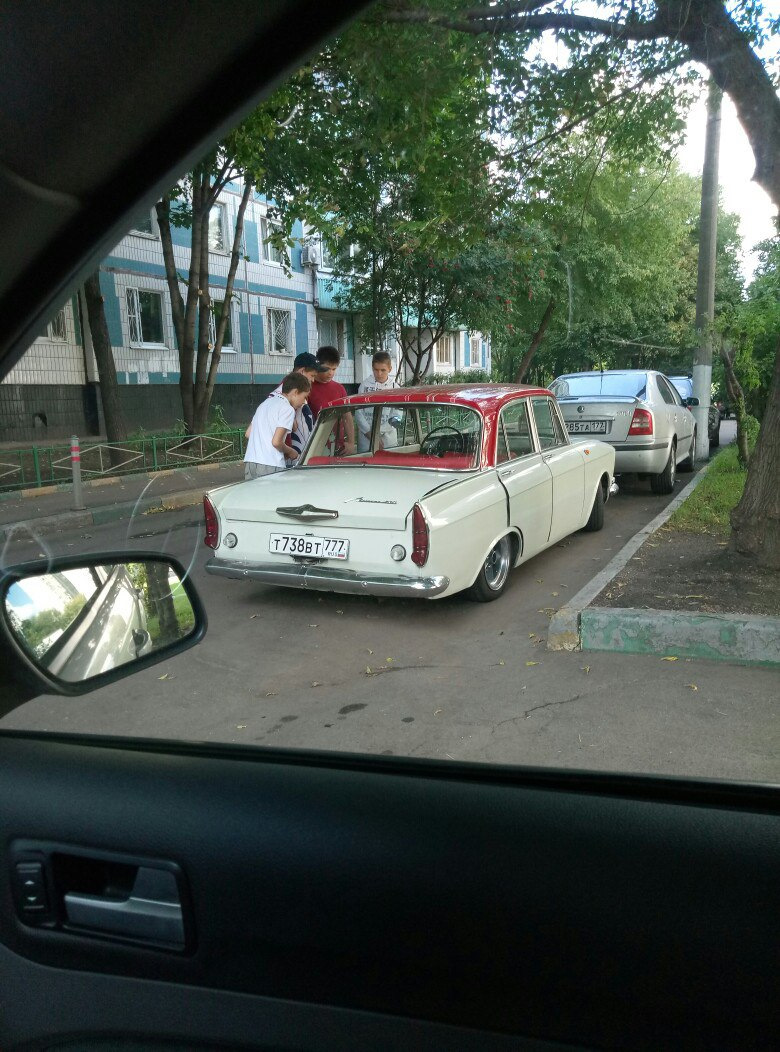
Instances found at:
x=272 y=422
x=381 y=366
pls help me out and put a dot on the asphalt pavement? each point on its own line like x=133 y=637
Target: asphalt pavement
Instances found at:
x=448 y=678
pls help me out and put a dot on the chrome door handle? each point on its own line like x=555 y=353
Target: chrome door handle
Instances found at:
x=506 y=473
x=152 y=912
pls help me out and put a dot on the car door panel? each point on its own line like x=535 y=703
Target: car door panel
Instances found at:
x=566 y=907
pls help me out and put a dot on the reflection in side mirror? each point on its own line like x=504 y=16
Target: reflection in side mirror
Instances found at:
x=691 y=401
x=78 y=622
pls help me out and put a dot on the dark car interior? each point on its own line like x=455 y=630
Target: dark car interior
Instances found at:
x=163 y=894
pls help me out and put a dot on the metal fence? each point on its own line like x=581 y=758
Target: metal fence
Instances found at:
x=49 y=465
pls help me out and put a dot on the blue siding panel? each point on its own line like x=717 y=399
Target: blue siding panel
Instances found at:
x=252 y=242
x=295 y=252
x=301 y=328
x=111 y=307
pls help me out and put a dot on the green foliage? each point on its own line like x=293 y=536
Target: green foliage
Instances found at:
x=460 y=376
x=709 y=507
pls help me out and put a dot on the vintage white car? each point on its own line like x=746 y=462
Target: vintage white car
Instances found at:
x=459 y=484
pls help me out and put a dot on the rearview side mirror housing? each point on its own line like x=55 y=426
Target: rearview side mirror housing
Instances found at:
x=74 y=624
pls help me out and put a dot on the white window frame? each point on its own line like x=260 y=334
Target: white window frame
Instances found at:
x=221 y=208
x=227 y=348
x=133 y=307
x=59 y=319
x=341 y=333
x=475 y=341
x=444 y=348
x=325 y=264
x=266 y=224
x=269 y=316
x=154 y=233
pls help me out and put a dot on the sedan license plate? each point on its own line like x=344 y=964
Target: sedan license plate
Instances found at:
x=587 y=427
x=314 y=547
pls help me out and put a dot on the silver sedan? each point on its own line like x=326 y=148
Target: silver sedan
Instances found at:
x=637 y=411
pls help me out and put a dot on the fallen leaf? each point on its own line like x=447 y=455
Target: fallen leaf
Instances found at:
x=501 y=662
x=240 y=726
x=388 y=659
x=272 y=693
x=554 y=593
x=532 y=634
x=585 y=669
x=316 y=683
x=702 y=597
x=166 y=675
x=339 y=611
x=539 y=580
x=437 y=711
x=368 y=671
x=692 y=686
x=314 y=626
x=529 y=663
x=252 y=617
x=669 y=659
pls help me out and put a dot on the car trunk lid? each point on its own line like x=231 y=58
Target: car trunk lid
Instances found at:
x=607 y=417
x=331 y=498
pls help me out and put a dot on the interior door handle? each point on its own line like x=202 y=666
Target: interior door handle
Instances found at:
x=152 y=912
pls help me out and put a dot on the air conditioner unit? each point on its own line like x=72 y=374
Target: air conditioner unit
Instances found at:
x=310 y=255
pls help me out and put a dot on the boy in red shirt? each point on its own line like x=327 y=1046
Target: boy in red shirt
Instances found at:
x=325 y=390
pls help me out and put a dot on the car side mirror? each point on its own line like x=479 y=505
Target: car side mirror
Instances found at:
x=690 y=402
x=76 y=624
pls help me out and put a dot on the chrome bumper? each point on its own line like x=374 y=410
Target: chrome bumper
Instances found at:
x=329 y=579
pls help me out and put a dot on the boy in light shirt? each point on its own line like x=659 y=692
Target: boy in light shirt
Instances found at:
x=381 y=366
x=267 y=446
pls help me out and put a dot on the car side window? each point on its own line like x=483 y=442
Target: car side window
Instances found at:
x=548 y=424
x=515 y=438
x=665 y=390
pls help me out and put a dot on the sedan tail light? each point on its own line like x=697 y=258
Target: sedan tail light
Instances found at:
x=420 y=537
x=212 y=524
x=641 y=423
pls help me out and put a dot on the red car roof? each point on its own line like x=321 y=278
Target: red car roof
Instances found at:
x=482 y=397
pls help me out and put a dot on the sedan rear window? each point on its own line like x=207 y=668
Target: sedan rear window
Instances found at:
x=632 y=384
x=396 y=435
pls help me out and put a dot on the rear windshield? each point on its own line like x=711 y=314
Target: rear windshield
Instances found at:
x=633 y=384
x=404 y=435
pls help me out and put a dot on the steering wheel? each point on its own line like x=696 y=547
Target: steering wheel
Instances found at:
x=461 y=441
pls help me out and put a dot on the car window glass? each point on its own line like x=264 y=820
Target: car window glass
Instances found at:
x=665 y=391
x=579 y=385
x=517 y=428
x=547 y=424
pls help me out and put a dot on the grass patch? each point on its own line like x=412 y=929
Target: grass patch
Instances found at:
x=707 y=510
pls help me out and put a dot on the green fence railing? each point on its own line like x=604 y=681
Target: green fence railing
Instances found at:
x=48 y=465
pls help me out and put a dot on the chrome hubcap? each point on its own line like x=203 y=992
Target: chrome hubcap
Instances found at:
x=497 y=565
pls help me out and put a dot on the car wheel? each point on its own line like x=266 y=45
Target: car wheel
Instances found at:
x=493 y=574
x=596 y=519
x=689 y=464
x=664 y=481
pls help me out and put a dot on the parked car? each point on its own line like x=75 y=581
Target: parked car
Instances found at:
x=472 y=481
x=684 y=387
x=639 y=413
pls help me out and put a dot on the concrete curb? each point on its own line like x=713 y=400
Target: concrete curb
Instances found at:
x=722 y=637
x=564 y=631
x=68 y=520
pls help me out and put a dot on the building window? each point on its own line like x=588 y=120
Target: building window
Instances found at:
x=145 y=224
x=444 y=350
x=58 y=327
x=331 y=332
x=328 y=258
x=475 y=351
x=217 y=306
x=217 y=228
x=279 y=331
x=145 y=317
x=271 y=252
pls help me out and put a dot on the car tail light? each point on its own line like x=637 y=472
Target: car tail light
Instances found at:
x=420 y=537
x=641 y=423
x=212 y=524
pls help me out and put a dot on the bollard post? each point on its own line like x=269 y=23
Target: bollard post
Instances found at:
x=75 y=465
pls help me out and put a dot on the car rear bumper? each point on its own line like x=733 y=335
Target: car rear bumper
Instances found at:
x=631 y=458
x=329 y=579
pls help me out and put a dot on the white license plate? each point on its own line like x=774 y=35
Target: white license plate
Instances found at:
x=313 y=547
x=587 y=427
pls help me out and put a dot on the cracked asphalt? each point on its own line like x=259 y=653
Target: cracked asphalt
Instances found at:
x=442 y=679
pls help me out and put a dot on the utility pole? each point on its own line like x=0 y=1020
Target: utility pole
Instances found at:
x=705 y=289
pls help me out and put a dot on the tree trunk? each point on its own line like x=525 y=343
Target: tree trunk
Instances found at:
x=538 y=336
x=755 y=521
x=116 y=428
x=161 y=603
x=737 y=400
